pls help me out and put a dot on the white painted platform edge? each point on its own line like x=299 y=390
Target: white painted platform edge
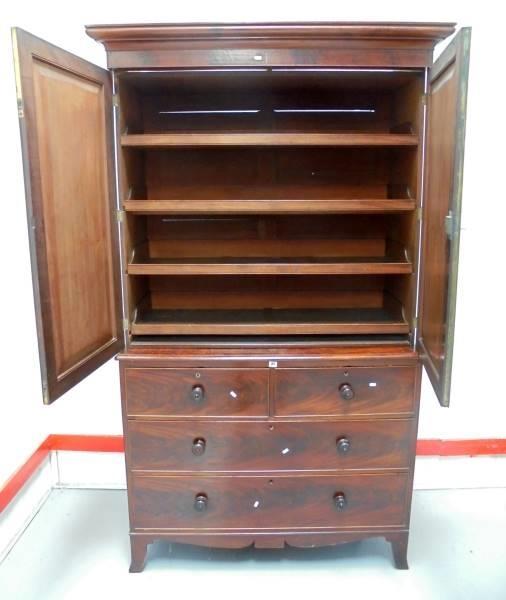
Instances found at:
x=103 y=470
x=106 y=470
x=27 y=503
x=459 y=472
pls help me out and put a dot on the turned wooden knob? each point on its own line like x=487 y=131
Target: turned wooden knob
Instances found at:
x=197 y=393
x=346 y=391
x=200 y=503
x=340 y=501
x=343 y=445
x=199 y=446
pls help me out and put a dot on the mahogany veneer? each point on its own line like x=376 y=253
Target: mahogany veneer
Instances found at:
x=264 y=503
x=282 y=445
x=283 y=269
x=268 y=139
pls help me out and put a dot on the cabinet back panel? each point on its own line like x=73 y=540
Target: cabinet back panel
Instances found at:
x=360 y=172
x=265 y=237
x=264 y=100
x=238 y=112
x=266 y=292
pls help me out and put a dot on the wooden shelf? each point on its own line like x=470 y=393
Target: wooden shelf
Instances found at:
x=181 y=139
x=273 y=199
x=269 y=322
x=292 y=206
x=272 y=266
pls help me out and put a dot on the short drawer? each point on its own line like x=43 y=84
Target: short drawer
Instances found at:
x=283 y=502
x=196 y=392
x=241 y=446
x=344 y=392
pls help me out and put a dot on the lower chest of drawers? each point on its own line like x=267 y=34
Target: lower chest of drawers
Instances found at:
x=274 y=502
x=267 y=449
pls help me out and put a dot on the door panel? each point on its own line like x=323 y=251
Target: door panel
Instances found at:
x=441 y=211
x=66 y=129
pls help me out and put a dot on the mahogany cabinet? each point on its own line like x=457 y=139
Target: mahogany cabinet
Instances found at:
x=263 y=221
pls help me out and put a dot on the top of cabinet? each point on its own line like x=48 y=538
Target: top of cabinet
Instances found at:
x=320 y=44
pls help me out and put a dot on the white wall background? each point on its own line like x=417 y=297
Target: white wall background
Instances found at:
x=478 y=399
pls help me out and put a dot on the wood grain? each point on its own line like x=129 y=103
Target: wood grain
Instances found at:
x=315 y=392
x=167 y=392
x=258 y=303
x=278 y=44
x=164 y=140
x=444 y=178
x=260 y=292
x=286 y=206
x=288 y=445
x=284 y=502
x=265 y=266
x=67 y=143
x=297 y=352
x=333 y=30
x=269 y=322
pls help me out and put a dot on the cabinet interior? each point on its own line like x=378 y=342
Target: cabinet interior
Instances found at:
x=270 y=201
x=278 y=100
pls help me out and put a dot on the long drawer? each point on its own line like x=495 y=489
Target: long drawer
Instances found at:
x=260 y=502
x=344 y=392
x=235 y=446
x=196 y=392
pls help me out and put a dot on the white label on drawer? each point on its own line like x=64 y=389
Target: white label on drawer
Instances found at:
x=233 y=394
x=273 y=364
x=372 y=384
x=256 y=504
x=285 y=451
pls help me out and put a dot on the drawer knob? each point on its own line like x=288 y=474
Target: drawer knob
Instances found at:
x=346 y=391
x=197 y=393
x=199 y=446
x=340 y=501
x=343 y=445
x=200 y=503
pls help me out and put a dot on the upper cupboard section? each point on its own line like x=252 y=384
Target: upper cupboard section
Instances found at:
x=368 y=106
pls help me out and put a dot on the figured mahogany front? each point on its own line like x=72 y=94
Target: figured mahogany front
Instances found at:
x=269 y=179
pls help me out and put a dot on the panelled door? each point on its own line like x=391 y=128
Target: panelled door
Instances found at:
x=67 y=141
x=441 y=210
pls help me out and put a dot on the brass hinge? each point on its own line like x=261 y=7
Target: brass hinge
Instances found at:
x=126 y=325
x=45 y=394
x=414 y=324
x=21 y=109
x=425 y=99
x=450 y=225
x=120 y=215
x=17 y=74
x=115 y=100
x=419 y=214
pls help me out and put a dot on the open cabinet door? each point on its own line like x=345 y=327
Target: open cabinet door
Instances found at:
x=441 y=211
x=65 y=114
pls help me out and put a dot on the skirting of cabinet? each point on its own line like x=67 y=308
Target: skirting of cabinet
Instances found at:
x=398 y=539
